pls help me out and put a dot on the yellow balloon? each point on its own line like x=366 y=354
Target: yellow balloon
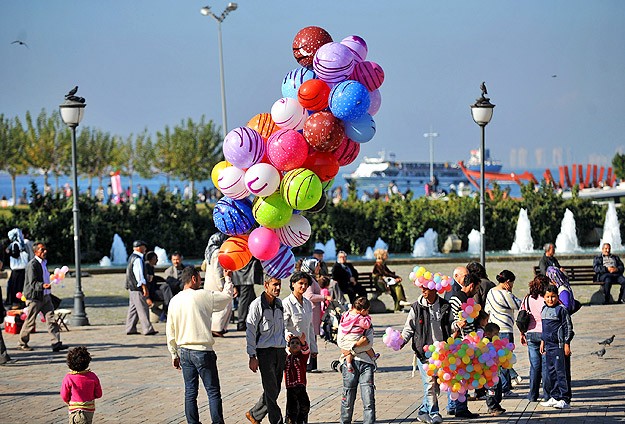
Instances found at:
x=217 y=169
x=427 y=275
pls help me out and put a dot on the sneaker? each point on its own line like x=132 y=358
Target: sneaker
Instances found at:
x=437 y=419
x=495 y=412
x=561 y=404
x=549 y=403
x=424 y=417
x=466 y=414
x=509 y=394
x=519 y=379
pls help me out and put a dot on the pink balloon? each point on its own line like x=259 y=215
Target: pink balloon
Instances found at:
x=347 y=152
x=376 y=101
x=287 y=149
x=369 y=74
x=263 y=243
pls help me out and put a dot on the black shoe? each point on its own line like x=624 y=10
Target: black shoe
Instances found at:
x=451 y=413
x=241 y=327
x=495 y=412
x=132 y=333
x=8 y=362
x=152 y=333
x=467 y=414
x=57 y=347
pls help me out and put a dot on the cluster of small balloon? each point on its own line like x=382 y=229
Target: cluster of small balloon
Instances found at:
x=289 y=157
x=469 y=363
x=24 y=313
x=58 y=275
x=392 y=339
x=421 y=277
x=469 y=310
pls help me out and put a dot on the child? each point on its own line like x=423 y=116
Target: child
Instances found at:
x=297 y=401
x=324 y=283
x=80 y=387
x=493 y=394
x=556 y=338
x=354 y=323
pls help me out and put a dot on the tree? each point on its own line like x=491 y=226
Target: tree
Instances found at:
x=11 y=151
x=96 y=151
x=618 y=162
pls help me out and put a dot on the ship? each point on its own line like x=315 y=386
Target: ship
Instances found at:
x=490 y=165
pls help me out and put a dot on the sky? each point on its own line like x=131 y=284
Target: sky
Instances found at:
x=554 y=69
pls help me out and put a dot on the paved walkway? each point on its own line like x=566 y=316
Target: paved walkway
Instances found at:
x=141 y=386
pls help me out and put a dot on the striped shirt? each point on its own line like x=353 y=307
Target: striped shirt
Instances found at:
x=456 y=300
x=500 y=305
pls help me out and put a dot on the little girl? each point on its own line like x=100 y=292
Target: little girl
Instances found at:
x=354 y=323
x=80 y=387
x=297 y=400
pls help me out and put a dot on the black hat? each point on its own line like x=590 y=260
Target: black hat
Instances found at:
x=138 y=243
x=318 y=251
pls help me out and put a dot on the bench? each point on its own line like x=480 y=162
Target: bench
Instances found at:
x=60 y=316
x=366 y=281
x=580 y=274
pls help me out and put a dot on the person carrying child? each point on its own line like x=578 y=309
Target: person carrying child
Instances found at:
x=80 y=387
x=297 y=401
x=354 y=323
x=556 y=345
x=494 y=394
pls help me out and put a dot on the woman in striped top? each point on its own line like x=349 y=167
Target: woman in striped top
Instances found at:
x=500 y=305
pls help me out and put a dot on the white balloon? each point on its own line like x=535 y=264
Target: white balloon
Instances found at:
x=288 y=113
x=296 y=232
x=262 y=179
x=231 y=182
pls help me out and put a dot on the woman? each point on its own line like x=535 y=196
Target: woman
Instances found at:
x=533 y=303
x=298 y=315
x=500 y=305
x=386 y=280
x=313 y=293
x=346 y=277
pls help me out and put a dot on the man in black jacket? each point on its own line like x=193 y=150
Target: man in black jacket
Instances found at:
x=609 y=269
x=549 y=259
x=37 y=292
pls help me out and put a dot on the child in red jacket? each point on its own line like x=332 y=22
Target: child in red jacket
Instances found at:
x=297 y=401
x=80 y=387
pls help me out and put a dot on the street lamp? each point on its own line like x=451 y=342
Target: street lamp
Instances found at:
x=206 y=11
x=431 y=135
x=72 y=111
x=482 y=112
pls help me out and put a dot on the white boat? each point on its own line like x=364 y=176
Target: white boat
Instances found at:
x=607 y=193
x=490 y=165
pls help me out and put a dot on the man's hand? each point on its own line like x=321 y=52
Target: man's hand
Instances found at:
x=253 y=364
x=46 y=285
x=235 y=292
x=353 y=281
x=542 y=348
x=176 y=363
x=612 y=269
x=462 y=323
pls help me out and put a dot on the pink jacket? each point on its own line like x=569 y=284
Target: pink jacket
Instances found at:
x=80 y=389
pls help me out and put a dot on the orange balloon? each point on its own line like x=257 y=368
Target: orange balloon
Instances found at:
x=263 y=124
x=234 y=253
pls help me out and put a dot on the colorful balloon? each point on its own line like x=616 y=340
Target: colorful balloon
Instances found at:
x=306 y=43
x=282 y=265
x=347 y=152
x=294 y=79
x=361 y=130
x=323 y=131
x=287 y=150
x=369 y=74
x=232 y=184
x=323 y=164
x=313 y=95
x=357 y=45
x=262 y=179
x=333 y=63
x=301 y=188
x=321 y=204
x=376 y=101
x=217 y=170
x=287 y=113
x=234 y=253
x=263 y=243
x=243 y=147
x=349 y=100
x=263 y=124
x=271 y=211
x=233 y=217
x=296 y=232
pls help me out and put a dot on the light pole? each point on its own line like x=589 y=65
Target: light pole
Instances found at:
x=72 y=111
x=206 y=11
x=482 y=112
x=431 y=135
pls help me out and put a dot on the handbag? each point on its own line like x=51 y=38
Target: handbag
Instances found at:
x=523 y=317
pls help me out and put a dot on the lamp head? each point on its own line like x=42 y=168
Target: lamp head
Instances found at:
x=482 y=109
x=206 y=10
x=72 y=109
x=232 y=6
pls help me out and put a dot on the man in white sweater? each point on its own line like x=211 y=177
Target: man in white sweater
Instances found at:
x=190 y=341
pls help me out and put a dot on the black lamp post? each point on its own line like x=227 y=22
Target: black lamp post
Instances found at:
x=482 y=112
x=72 y=111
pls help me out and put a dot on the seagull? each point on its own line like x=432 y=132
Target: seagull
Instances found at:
x=20 y=42
x=599 y=353
x=608 y=341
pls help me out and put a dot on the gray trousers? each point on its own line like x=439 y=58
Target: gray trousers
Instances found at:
x=47 y=309
x=138 y=310
x=271 y=362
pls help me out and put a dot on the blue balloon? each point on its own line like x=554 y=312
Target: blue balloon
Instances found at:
x=282 y=265
x=360 y=130
x=294 y=79
x=349 y=100
x=233 y=217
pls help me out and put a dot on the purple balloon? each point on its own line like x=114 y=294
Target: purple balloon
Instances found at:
x=282 y=265
x=333 y=62
x=357 y=45
x=243 y=147
x=376 y=100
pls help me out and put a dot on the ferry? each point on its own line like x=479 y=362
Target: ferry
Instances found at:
x=490 y=165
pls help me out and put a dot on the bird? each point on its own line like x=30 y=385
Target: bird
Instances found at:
x=483 y=88
x=72 y=91
x=554 y=76
x=71 y=96
x=20 y=42
x=599 y=353
x=608 y=341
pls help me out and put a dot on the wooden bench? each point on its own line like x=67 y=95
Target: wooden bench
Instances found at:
x=366 y=281
x=580 y=274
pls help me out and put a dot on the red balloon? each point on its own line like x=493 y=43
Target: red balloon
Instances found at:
x=347 y=152
x=313 y=95
x=324 y=131
x=324 y=164
x=306 y=43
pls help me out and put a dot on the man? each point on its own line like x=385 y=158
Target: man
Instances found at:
x=322 y=270
x=470 y=286
x=485 y=284
x=138 y=294
x=549 y=259
x=37 y=292
x=429 y=321
x=458 y=276
x=346 y=277
x=172 y=274
x=265 y=348
x=609 y=269
x=244 y=281
x=190 y=341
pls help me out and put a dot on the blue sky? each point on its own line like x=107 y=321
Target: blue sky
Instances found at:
x=150 y=63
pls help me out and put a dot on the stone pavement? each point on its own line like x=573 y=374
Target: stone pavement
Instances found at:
x=140 y=384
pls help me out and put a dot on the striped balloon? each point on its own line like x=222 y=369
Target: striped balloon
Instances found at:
x=369 y=74
x=243 y=147
x=282 y=265
x=231 y=182
x=294 y=79
x=347 y=152
x=287 y=113
x=313 y=95
x=271 y=211
x=333 y=62
x=234 y=253
x=296 y=232
x=263 y=124
x=233 y=217
x=301 y=188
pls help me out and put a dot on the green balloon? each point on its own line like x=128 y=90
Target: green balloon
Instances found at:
x=301 y=189
x=328 y=184
x=271 y=211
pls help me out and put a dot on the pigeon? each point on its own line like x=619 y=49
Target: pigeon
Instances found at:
x=483 y=88
x=608 y=341
x=599 y=353
x=72 y=97
x=20 y=42
x=72 y=91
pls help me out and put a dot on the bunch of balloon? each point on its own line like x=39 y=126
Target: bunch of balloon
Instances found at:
x=281 y=163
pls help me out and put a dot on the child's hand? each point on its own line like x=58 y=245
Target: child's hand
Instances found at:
x=542 y=348
x=302 y=339
x=567 y=349
x=523 y=340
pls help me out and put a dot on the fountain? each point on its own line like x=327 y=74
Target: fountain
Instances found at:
x=380 y=244
x=369 y=253
x=427 y=245
x=523 y=242
x=474 y=242
x=105 y=261
x=329 y=248
x=611 y=229
x=566 y=241
x=119 y=255
x=161 y=253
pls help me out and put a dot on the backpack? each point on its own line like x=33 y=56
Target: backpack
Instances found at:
x=15 y=250
x=523 y=317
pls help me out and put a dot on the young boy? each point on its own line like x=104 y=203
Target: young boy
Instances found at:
x=353 y=325
x=556 y=343
x=297 y=401
x=493 y=394
x=80 y=387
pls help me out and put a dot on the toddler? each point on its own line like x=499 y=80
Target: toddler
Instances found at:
x=297 y=401
x=493 y=394
x=80 y=387
x=354 y=323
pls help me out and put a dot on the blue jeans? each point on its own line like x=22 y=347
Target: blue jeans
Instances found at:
x=200 y=363
x=507 y=375
x=431 y=390
x=537 y=366
x=456 y=406
x=363 y=376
